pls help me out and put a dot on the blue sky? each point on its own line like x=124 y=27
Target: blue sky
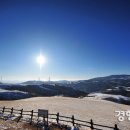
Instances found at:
x=80 y=39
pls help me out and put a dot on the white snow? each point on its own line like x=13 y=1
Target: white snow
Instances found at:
x=102 y=96
x=101 y=111
x=3 y=90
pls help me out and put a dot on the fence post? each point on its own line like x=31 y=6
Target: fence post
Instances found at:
x=116 y=128
x=73 y=120
x=47 y=119
x=31 y=117
x=21 y=113
x=91 y=123
x=11 y=110
x=57 y=118
x=3 y=110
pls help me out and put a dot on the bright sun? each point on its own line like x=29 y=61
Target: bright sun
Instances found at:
x=41 y=60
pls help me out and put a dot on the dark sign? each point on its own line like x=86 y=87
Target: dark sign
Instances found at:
x=43 y=113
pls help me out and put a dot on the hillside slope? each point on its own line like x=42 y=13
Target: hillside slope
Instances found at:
x=113 y=84
x=18 y=91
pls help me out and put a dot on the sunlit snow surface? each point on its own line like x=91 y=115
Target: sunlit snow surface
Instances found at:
x=103 y=96
x=101 y=111
x=3 y=90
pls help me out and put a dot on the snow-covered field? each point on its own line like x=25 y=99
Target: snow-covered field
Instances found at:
x=101 y=111
x=11 y=125
x=103 y=96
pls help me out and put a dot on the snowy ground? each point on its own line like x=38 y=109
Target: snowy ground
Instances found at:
x=101 y=111
x=103 y=96
x=10 y=125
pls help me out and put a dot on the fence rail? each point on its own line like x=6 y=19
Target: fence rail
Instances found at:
x=33 y=116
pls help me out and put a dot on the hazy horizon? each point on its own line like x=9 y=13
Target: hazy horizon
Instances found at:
x=49 y=79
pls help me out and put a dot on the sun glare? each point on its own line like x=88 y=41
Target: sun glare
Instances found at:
x=41 y=60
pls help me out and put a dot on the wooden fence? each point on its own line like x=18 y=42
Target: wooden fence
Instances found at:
x=32 y=116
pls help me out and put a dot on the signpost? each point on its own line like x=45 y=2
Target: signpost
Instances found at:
x=43 y=113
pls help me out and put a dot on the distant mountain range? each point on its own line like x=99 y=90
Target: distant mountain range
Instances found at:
x=36 y=90
x=32 y=82
x=36 y=82
x=101 y=83
x=114 y=84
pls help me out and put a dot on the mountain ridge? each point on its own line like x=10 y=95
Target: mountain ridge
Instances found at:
x=112 y=84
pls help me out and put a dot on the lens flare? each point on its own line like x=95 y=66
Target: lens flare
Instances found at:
x=41 y=60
